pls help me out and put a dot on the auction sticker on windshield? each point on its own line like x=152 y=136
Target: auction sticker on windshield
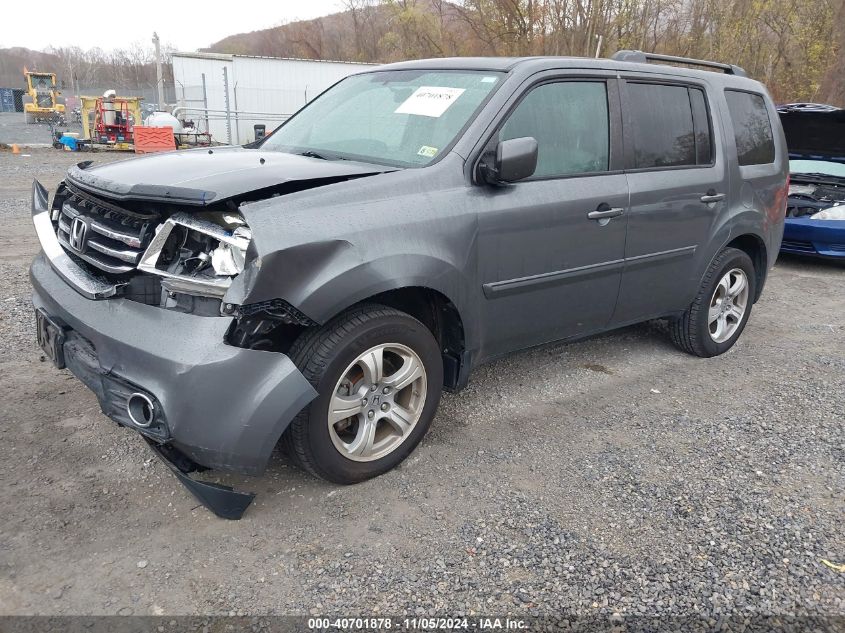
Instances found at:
x=429 y=101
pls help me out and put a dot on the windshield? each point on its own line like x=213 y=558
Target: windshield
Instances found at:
x=817 y=167
x=403 y=118
x=42 y=82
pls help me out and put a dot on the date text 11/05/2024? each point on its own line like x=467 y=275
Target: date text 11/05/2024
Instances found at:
x=418 y=623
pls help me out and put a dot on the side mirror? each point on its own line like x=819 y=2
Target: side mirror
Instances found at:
x=515 y=159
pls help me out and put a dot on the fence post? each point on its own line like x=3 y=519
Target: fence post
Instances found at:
x=228 y=110
x=205 y=103
x=159 y=79
x=237 y=121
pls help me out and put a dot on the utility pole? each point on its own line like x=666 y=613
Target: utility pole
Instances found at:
x=159 y=80
x=74 y=83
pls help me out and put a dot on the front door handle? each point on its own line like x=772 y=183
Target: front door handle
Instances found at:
x=605 y=213
x=712 y=196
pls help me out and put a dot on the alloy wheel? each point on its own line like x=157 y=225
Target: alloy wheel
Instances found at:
x=377 y=402
x=728 y=305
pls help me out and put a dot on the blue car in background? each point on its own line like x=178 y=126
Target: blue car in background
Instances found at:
x=815 y=215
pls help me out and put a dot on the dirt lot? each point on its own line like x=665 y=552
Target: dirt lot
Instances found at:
x=611 y=475
x=14 y=129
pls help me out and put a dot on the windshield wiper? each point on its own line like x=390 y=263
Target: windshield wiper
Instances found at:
x=815 y=174
x=312 y=154
x=817 y=177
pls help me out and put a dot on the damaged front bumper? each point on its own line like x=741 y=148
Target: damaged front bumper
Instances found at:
x=221 y=406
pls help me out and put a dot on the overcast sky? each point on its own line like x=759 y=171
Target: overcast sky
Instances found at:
x=186 y=24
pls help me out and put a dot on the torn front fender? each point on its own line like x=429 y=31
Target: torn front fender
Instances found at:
x=287 y=273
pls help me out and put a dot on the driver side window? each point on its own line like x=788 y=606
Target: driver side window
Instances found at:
x=569 y=120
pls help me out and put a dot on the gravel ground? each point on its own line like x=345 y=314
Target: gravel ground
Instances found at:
x=612 y=475
x=14 y=129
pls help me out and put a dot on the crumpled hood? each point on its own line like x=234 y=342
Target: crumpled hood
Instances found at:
x=204 y=176
x=815 y=135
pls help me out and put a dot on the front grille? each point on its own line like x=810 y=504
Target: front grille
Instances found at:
x=102 y=235
x=805 y=209
x=798 y=245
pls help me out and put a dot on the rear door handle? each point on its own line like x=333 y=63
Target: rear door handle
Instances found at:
x=606 y=214
x=713 y=197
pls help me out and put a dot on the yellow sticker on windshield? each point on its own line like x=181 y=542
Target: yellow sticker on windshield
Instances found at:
x=428 y=152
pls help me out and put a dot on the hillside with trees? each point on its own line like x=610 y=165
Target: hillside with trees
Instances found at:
x=796 y=47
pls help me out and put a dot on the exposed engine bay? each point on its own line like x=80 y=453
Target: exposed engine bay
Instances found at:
x=807 y=198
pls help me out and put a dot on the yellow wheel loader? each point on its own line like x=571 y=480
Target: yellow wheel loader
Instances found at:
x=42 y=101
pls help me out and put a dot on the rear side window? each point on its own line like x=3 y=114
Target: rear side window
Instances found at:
x=755 y=144
x=570 y=122
x=662 y=127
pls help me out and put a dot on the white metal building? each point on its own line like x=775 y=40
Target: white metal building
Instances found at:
x=263 y=90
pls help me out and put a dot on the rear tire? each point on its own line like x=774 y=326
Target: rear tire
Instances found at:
x=383 y=368
x=718 y=314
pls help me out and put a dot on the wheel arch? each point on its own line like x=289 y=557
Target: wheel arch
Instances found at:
x=754 y=246
x=443 y=319
x=430 y=305
x=426 y=286
x=743 y=234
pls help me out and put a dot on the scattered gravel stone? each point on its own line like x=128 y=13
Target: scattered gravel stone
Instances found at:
x=553 y=486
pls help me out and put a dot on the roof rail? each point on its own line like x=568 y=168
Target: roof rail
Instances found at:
x=639 y=57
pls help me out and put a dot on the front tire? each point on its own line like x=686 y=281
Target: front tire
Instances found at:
x=379 y=375
x=720 y=310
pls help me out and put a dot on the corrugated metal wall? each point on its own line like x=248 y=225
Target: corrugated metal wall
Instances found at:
x=256 y=85
x=11 y=100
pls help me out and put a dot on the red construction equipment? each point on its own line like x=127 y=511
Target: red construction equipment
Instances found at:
x=112 y=123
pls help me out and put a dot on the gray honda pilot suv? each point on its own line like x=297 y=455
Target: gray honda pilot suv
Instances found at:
x=323 y=285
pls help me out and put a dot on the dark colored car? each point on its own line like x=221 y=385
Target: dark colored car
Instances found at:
x=325 y=284
x=815 y=215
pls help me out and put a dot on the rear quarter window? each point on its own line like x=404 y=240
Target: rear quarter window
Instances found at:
x=755 y=144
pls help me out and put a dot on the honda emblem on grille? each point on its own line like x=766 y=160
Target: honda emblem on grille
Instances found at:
x=78 y=232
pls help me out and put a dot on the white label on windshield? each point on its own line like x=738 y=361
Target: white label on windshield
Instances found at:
x=429 y=101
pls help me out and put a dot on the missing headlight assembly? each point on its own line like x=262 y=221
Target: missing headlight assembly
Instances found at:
x=196 y=256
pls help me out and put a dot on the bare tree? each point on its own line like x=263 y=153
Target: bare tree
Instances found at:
x=796 y=47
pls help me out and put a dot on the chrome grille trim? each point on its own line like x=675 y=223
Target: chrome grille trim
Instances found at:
x=114 y=242
x=69 y=270
x=69 y=211
x=126 y=238
x=126 y=256
x=117 y=269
